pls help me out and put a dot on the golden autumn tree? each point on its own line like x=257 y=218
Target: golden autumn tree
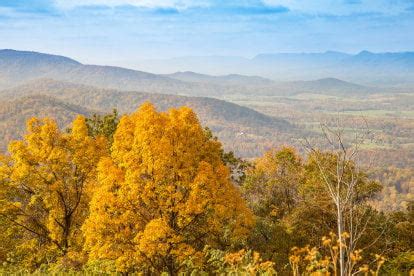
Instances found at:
x=164 y=194
x=45 y=185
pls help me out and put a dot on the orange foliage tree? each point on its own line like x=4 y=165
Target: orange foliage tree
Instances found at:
x=164 y=193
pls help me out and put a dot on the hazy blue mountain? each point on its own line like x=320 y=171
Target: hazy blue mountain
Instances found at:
x=201 y=64
x=231 y=79
x=302 y=58
x=9 y=56
x=385 y=69
x=20 y=66
x=326 y=86
x=17 y=67
x=401 y=59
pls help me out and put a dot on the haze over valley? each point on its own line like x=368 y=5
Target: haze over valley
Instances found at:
x=181 y=137
x=248 y=113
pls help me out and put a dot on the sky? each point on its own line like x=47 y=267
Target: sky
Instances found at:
x=117 y=31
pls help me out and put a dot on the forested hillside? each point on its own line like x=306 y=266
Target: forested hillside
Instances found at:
x=260 y=177
x=14 y=114
x=154 y=192
x=252 y=131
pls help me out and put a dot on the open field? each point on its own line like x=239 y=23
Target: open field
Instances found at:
x=388 y=117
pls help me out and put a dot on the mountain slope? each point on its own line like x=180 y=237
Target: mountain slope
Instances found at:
x=327 y=86
x=242 y=129
x=232 y=79
x=17 y=67
x=20 y=66
x=15 y=113
x=127 y=101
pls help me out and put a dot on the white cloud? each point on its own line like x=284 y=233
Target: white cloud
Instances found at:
x=178 y=4
x=333 y=7
x=343 y=7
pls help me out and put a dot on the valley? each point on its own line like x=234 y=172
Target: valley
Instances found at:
x=249 y=114
x=182 y=137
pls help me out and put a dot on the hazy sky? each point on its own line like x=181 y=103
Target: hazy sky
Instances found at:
x=113 y=31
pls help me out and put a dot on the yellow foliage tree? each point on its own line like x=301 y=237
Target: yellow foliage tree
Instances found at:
x=164 y=194
x=45 y=182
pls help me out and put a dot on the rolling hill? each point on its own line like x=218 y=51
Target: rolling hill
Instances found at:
x=127 y=101
x=240 y=128
x=15 y=113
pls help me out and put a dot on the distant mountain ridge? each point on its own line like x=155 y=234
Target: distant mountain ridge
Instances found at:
x=19 y=67
x=374 y=69
x=309 y=57
x=330 y=86
x=230 y=79
x=35 y=56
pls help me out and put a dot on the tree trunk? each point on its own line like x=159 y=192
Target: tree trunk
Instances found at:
x=66 y=232
x=171 y=267
x=340 y=237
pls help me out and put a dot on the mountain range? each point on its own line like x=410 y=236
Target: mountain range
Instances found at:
x=226 y=80
x=372 y=69
x=19 y=67
x=37 y=84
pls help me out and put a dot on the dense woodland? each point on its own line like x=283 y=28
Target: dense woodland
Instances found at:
x=154 y=192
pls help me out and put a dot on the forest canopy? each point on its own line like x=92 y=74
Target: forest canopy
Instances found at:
x=154 y=192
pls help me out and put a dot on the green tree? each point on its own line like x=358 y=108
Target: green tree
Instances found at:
x=104 y=125
x=339 y=188
x=271 y=188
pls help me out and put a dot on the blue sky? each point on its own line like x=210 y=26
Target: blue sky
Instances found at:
x=116 y=31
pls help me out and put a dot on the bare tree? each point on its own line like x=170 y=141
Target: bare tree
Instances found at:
x=341 y=184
